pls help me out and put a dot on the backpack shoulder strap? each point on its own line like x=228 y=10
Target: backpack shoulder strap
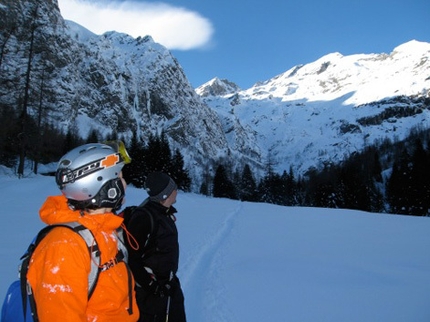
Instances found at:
x=93 y=250
x=147 y=211
x=97 y=266
x=26 y=291
x=129 y=212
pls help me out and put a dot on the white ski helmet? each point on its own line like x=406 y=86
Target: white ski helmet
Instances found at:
x=88 y=176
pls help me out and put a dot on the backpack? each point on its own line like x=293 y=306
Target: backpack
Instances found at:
x=19 y=304
x=128 y=213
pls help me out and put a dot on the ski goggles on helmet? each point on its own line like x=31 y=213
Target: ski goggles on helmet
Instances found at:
x=119 y=147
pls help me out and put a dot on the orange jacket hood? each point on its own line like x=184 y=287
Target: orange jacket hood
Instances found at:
x=56 y=210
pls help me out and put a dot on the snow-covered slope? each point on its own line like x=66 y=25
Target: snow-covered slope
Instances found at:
x=244 y=261
x=323 y=111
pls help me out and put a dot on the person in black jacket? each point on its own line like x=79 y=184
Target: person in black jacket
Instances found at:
x=154 y=252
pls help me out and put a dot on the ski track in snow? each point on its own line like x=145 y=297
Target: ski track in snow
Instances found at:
x=204 y=265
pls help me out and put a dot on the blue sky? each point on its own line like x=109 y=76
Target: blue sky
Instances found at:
x=247 y=41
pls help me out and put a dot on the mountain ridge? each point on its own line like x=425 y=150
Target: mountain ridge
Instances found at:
x=304 y=118
x=409 y=50
x=316 y=111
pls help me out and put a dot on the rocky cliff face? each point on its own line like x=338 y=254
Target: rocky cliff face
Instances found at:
x=110 y=83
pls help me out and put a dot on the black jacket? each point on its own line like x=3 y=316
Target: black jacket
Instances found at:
x=157 y=240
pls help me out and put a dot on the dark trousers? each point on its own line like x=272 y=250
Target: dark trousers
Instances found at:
x=153 y=308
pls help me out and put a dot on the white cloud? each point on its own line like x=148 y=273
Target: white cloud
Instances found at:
x=173 y=27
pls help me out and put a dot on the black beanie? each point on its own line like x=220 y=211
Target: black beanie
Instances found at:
x=159 y=186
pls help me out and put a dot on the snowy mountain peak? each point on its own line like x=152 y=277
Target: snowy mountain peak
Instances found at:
x=320 y=112
x=367 y=77
x=329 y=58
x=413 y=47
x=217 y=87
x=78 y=31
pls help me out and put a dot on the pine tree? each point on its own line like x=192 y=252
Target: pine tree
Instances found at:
x=93 y=137
x=72 y=139
x=178 y=173
x=398 y=185
x=158 y=155
x=355 y=186
x=323 y=188
x=419 y=181
x=8 y=136
x=52 y=141
x=222 y=186
x=376 y=169
x=24 y=115
x=207 y=179
x=134 y=172
x=247 y=185
x=290 y=188
x=272 y=189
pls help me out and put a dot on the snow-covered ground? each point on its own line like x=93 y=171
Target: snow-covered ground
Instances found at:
x=244 y=261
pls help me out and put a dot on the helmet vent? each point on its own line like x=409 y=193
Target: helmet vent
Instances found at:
x=65 y=163
x=112 y=193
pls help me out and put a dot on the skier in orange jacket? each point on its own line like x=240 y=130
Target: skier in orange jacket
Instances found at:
x=90 y=179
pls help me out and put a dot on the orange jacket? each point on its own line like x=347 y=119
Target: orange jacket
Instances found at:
x=59 y=268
